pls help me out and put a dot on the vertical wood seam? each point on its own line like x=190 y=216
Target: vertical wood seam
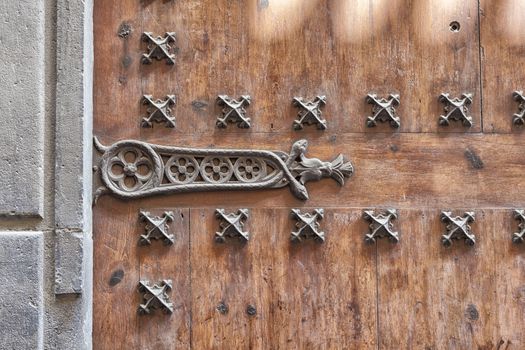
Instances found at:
x=190 y=279
x=377 y=296
x=480 y=57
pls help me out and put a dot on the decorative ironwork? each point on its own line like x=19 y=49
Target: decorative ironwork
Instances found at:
x=234 y=111
x=158 y=111
x=307 y=225
x=519 y=118
x=381 y=225
x=383 y=110
x=133 y=169
x=156 y=228
x=456 y=109
x=232 y=225
x=159 y=48
x=310 y=112
x=458 y=228
x=155 y=297
x=519 y=237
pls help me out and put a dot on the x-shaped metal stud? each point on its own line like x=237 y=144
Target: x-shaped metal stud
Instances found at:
x=456 y=109
x=233 y=111
x=383 y=110
x=156 y=228
x=381 y=225
x=155 y=297
x=158 y=111
x=458 y=228
x=310 y=112
x=519 y=118
x=232 y=225
x=159 y=48
x=307 y=225
x=519 y=237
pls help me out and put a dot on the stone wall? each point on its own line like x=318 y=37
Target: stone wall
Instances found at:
x=45 y=173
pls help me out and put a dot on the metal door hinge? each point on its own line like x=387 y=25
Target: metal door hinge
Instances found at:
x=134 y=169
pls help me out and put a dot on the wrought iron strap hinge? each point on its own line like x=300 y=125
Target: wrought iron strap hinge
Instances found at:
x=134 y=169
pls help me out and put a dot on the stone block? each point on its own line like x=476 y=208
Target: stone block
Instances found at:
x=21 y=295
x=69 y=259
x=22 y=107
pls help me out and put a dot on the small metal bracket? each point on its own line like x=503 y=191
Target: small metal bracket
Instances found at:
x=458 y=228
x=307 y=225
x=381 y=225
x=383 y=110
x=519 y=118
x=155 y=297
x=310 y=112
x=158 y=111
x=233 y=111
x=456 y=109
x=159 y=48
x=232 y=225
x=519 y=237
x=156 y=228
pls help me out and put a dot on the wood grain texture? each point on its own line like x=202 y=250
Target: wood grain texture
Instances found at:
x=307 y=296
x=462 y=297
x=400 y=170
x=275 y=50
x=502 y=32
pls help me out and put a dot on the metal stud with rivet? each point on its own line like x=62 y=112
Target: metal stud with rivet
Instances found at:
x=519 y=118
x=458 y=227
x=383 y=110
x=159 y=111
x=233 y=111
x=519 y=237
x=309 y=112
x=159 y=48
x=155 y=296
x=456 y=109
x=232 y=225
x=381 y=225
x=307 y=225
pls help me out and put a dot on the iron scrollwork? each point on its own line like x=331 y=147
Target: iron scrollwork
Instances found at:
x=383 y=110
x=310 y=112
x=519 y=237
x=456 y=109
x=134 y=169
x=307 y=225
x=233 y=111
x=158 y=111
x=458 y=227
x=232 y=225
x=155 y=297
x=159 y=48
x=381 y=225
x=519 y=118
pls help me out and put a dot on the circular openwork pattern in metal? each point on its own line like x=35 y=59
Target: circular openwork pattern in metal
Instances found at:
x=182 y=169
x=216 y=169
x=249 y=169
x=130 y=169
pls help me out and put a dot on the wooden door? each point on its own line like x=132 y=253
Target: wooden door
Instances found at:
x=344 y=293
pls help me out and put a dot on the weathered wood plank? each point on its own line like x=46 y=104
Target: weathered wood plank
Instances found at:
x=307 y=296
x=502 y=31
x=168 y=262
x=403 y=170
x=460 y=297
